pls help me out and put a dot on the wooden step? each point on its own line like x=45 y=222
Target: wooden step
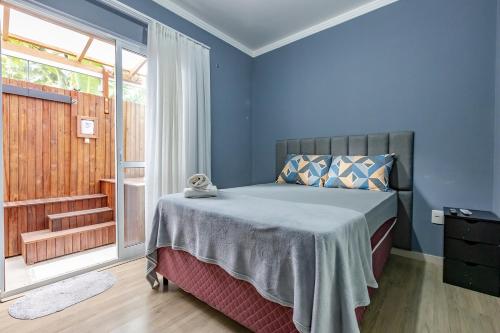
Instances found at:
x=43 y=245
x=31 y=215
x=35 y=236
x=79 y=218
x=9 y=204
x=76 y=213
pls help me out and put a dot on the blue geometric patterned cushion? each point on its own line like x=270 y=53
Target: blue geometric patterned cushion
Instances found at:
x=305 y=170
x=313 y=170
x=289 y=173
x=361 y=172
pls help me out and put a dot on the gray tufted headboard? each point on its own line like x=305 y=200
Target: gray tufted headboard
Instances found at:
x=401 y=179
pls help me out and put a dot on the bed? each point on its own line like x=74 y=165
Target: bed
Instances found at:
x=287 y=258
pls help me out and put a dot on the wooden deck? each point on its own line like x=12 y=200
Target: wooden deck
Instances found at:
x=46 y=244
x=19 y=219
x=34 y=202
x=70 y=220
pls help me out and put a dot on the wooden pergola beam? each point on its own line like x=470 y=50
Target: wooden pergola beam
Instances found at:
x=57 y=49
x=42 y=45
x=6 y=23
x=105 y=83
x=105 y=89
x=54 y=58
x=85 y=49
x=7 y=34
x=137 y=68
x=49 y=56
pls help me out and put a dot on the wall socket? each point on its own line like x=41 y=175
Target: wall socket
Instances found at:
x=437 y=217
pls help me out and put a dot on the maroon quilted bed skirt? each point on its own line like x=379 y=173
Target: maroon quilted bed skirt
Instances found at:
x=238 y=299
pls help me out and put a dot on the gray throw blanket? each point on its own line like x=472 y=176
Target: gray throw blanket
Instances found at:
x=314 y=258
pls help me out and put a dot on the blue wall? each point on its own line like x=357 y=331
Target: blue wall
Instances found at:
x=496 y=165
x=496 y=179
x=423 y=65
x=230 y=92
x=230 y=87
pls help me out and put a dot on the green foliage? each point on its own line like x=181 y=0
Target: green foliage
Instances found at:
x=61 y=78
x=14 y=68
x=18 y=42
x=47 y=75
x=86 y=83
x=131 y=92
x=134 y=93
x=21 y=69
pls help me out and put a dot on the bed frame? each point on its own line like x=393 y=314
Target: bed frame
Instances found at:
x=398 y=143
x=238 y=299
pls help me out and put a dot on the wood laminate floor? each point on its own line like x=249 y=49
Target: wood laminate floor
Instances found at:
x=412 y=298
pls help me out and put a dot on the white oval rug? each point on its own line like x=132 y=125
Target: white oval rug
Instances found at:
x=60 y=295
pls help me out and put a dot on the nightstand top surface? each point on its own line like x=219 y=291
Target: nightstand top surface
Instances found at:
x=476 y=215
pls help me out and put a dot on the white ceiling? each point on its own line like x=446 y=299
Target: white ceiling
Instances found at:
x=259 y=26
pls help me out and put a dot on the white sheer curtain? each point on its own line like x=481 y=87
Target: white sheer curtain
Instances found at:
x=178 y=116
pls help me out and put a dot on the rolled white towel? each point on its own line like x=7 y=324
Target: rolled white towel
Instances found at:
x=210 y=191
x=199 y=181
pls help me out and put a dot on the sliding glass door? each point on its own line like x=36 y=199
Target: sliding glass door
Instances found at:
x=72 y=132
x=131 y=73
x=2 y=230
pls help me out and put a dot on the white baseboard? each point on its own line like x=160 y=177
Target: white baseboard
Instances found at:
x=418 y=256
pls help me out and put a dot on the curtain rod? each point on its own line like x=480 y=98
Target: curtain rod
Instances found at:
x=145 y=18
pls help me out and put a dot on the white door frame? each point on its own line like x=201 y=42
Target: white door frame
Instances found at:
x=2 y=224
x=121 y=42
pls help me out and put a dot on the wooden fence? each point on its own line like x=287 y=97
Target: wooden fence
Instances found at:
x=133 y=136
x=44 y=158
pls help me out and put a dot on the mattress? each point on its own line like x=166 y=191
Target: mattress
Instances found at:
x=280 y=238
x=238 y=299
x=376 y=206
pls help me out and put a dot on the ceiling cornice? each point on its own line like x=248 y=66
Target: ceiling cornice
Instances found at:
x=178 y=10
x=331 y=22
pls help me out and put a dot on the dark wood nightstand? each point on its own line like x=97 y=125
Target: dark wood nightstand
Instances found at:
x=472 y=251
